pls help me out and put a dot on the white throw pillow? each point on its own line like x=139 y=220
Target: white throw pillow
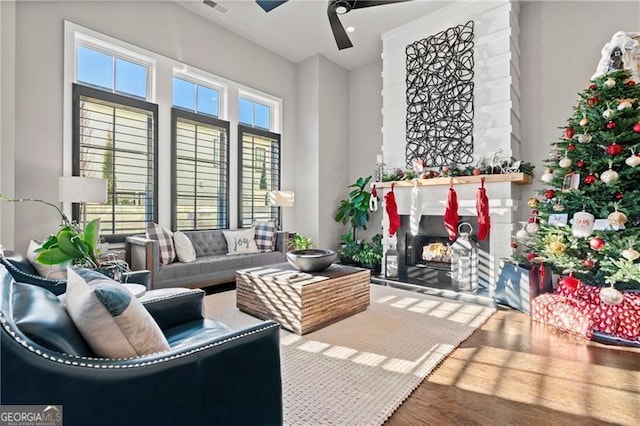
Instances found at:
x=184 y=247
x=55 y=272
x=241 y=242
x=112 y=321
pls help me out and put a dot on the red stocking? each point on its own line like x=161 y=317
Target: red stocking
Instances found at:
x=482 y=208
x=451 y=213
x=392 y=211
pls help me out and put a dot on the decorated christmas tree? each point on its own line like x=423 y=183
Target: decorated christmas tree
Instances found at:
x=586 y=221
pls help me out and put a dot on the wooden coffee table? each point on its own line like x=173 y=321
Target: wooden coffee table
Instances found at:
x=302 y=302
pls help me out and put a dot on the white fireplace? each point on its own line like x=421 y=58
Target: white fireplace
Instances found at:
x=504 y=198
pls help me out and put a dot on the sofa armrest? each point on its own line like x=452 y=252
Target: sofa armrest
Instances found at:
x=137 y=277
x=19 y=271
x=282 y=241
x=143 y=254
x=173 y=306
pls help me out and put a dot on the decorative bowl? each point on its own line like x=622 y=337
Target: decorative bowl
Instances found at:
x=311 y=260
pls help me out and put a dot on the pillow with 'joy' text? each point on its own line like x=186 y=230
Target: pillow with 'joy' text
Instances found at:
x=241 y=242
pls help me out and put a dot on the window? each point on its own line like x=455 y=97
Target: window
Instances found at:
x=201 y=172
x=195 y=97
x=254 y=114
x=115 y=138
x=110 y=72
x=259 y=166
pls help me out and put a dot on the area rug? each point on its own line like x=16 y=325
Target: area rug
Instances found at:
x=359 y=370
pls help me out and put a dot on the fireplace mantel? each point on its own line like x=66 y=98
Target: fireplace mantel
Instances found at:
x=517 y=178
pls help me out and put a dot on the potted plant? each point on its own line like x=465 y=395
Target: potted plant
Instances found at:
x=369 y=254
x=300 y=242
x=348 y=248
x=354 y=211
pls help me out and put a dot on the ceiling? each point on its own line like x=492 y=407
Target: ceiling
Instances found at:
x=300 y=29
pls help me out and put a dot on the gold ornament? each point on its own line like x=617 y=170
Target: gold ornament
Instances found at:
x=556 y=247
x=624 y=104
x=610 y=82
x=617 y=218
x=584 y=122
x=565 y=163
x=557 y=207
x=533 y=202
x=584 y=138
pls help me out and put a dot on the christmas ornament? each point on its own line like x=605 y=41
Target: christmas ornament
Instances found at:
x=610 y=176
x=610 y=295
x=392 y=211
x=636 y=127
x=451 y=213
x=593 y=87
x=633 y=160
x=589 y=179
x=547 y=177
x=624 y=104
x=532 y=227
x=631 y=83
x=597 y=243
x=477 y=172
x=580 y=163
x=587 y=263
x=557 y=207
x=584 y=122
x=571 y=147
x=556 y=247
x=584 y=138
x=614 y=149
x=531 y=256
x=533 y=202
x=565 y=162
x=514 y=245
x=549 y=194
x=593 y=101
x=568 y=133
x=569 y=282
x=619 y=196
x=610 y=82
x=522 y=233
x=582 y=224
x=617 y=219
x=482 y=210
x=630 y=254
x=607 y=113
x=611 y=125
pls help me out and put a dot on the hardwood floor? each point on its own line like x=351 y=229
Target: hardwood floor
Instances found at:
x=514 y=371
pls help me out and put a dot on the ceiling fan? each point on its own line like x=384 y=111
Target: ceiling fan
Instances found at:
x=335 y=8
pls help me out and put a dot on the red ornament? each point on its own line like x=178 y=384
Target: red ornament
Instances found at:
x=614 y=149
x=619 y=196
x=631 y=83
x=589 y=179
x=587 y=263
x=611 y=125
x=592 y=101
x=549 y=194
x=597 y=243
x=569 y=282
x=636 y=127
x=534 y=212
x=477 y=172
x=514 y=245
x=593 y=87
x=531 y=256
x=569 y=132
x=571 y=147
x=580 y=163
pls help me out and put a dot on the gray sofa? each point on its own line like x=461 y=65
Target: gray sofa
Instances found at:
x=212 y=265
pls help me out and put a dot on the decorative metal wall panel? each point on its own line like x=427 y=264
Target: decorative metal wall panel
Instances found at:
x=440 y=98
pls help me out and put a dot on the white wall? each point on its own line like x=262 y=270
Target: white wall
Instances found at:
x=496 y=76
x=7 y=119
x=365 y=130
x=561 y=43
x=162 y=27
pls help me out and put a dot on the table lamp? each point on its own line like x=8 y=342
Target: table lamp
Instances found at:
x=281 y=199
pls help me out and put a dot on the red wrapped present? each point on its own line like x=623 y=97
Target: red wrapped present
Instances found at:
x=564 y=313
x=606 y=318
x=629 y=318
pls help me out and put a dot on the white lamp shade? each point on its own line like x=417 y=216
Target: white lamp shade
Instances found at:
x=78 y=189
x=281 y=198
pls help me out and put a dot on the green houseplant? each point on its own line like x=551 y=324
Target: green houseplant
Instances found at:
x=354 y=211
x=300 y=242
x=369 y=254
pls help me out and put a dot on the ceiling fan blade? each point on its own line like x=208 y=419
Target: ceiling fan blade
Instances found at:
x=359 y=4
x=342 y=39
x=269 y=5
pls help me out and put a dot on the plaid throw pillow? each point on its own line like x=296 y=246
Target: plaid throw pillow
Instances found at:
x=265 y=235
x=165 y=241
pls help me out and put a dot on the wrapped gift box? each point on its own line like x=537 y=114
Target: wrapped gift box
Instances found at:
x=564 y=313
